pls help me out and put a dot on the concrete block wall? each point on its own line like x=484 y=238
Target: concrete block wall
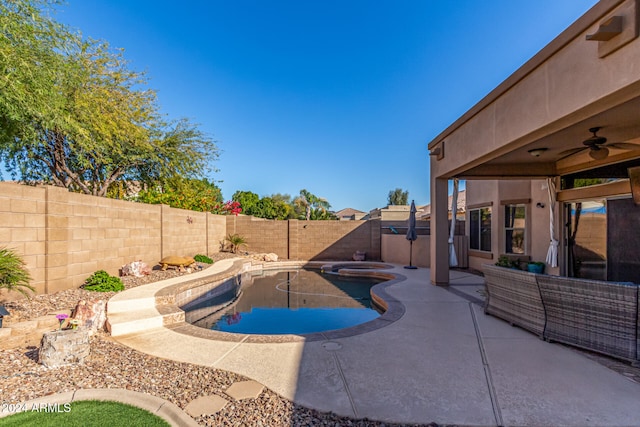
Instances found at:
x=261 y=235
x=184 y=232
x=23 y=227
x=86 y=234
x=216 y=232
x=336 y=240
x=65 y=237
x=308 y=240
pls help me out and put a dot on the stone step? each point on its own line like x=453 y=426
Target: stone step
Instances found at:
x=48 y=321
x=130 y=304
x=143 y=320
x=24 y=327
x=13 y=341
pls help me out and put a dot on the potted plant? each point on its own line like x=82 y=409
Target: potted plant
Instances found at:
x=505 y=261
x=536 y=267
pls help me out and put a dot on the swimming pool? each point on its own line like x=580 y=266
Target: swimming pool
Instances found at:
x=296 y=301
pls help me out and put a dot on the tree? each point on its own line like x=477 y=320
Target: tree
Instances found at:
x=29 y=64
x=193 y=194
x=247 y=200
x=92 y=121
x=398 y=197
x=308 y=202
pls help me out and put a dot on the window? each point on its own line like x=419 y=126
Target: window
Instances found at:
x=480 y=229
x=514 y=229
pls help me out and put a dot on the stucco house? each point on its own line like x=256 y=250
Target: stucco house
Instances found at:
x=551 y=157
x=350 y=214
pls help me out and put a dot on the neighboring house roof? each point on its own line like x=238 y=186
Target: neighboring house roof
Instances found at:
x=462 y=203
x=350 y=214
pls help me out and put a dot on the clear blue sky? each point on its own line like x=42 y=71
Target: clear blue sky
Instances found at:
x=339 y=97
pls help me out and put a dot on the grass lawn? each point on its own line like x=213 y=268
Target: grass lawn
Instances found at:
x=84 y=413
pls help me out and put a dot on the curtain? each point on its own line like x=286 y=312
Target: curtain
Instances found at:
x=453 y=259
x=552 y=253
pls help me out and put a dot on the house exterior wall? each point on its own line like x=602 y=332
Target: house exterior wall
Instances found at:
x=563 y=87
x=495 y=193
x=547 y=94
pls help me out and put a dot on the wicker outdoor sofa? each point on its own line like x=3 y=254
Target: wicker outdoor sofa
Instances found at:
x=592 y=314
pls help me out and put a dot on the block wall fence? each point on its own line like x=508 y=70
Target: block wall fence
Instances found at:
x=65 y=237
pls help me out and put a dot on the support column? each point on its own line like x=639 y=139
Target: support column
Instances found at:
x=439 y=232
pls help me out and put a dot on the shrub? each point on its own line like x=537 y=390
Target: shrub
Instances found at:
x=507 y=262
x=203 y=258
x=13 y=273
x=101 y=281
x=236 y=240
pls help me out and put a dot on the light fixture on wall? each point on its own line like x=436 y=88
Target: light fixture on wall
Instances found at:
x=607 y=30
x=535 y=152
x=540 y=205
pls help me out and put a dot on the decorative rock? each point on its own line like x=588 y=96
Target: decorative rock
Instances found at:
x=92 y=315
x=135 y=268
x=66 y=347
x=245 y=390
x=206 y=405
x=271 y=257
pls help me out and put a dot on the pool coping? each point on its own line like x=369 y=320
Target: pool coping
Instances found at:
x=172 y=316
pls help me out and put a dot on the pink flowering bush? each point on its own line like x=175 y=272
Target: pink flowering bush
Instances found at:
x=230 y=207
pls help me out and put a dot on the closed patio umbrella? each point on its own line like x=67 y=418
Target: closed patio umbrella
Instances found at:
x=412 y=234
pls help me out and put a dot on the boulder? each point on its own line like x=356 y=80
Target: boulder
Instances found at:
x=91 y=314
x=135 y=268
x=270 y=257
x=64 y=347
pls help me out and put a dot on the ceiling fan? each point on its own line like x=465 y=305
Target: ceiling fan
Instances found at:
x=597 y=146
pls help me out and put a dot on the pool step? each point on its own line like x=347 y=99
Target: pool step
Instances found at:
x=137 y=321
x=131 y=304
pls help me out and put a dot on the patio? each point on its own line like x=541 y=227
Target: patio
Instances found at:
x=443 y=361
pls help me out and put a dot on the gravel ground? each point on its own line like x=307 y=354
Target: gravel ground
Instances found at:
x=112 y=365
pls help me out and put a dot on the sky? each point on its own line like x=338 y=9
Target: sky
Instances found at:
x=338 y=97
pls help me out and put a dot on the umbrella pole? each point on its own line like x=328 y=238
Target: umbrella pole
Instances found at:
x=410 y=266
x=410 y=253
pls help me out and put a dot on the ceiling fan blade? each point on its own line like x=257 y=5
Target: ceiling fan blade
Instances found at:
x=572 y=151
x=624 y=145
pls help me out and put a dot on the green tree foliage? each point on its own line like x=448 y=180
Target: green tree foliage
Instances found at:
x=247 y=200
x=193 y=194
x=398 y=197
x=308 y=203
x=73 y=114
x=281 y=206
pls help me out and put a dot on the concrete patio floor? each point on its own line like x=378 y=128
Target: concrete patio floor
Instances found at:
x=443 y=361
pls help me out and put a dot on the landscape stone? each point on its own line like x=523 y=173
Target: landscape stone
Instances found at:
x=64 y=347
x=92 y=315
x=206 y=405
x=245 y=390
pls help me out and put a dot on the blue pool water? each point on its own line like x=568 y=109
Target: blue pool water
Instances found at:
x=287 y=302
